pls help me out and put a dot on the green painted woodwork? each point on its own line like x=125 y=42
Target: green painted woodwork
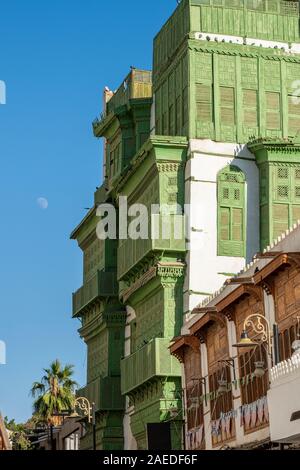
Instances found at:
x=233 y=93
x=103 y=332
x=172 y=100
x=273 y=20
x=203 y=89
x=279 y=165
x=221 y=91
x=153 y=404
x=131 y=252
x=93 y=260
x=125 y=123
x=109 y=432
x=103 y=320
x=156 y=176
x=97 y=355
x=102 y=284
x=266 y=19
x=105 y=392
x=128 y=129
x=231 y=212
x=137 y=84
x=150 y=376
x=158 y=307
x=152 y=360
x=159 y=167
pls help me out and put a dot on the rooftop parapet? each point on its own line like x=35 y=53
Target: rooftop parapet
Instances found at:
x=137 y=85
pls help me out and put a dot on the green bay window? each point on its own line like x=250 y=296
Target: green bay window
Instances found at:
x=231 y=212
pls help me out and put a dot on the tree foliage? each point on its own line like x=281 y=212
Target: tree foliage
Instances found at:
x=19 y=434
x=54 y=393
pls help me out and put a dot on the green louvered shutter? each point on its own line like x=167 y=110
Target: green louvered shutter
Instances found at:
x=250 y=108
x=280 y=219
x=158 y=112
x=227 y=107
x=237 y=224
x=273 y=113
x=178 y=115
x=231 y=212
x=224 y=224
x=281 y=191
x=204 y=102
x=294 y=115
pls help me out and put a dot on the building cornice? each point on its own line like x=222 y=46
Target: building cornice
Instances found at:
x=167 y=272
x=274 y=145
x=102 y=321
x=242 y=50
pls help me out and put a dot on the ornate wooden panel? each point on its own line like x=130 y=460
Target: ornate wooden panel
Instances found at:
x=247 y=306
x=217 y=345
x=287 y=302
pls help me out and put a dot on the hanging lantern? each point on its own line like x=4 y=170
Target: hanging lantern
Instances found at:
x=259 y=369
x=245 y=341
x=223 y=387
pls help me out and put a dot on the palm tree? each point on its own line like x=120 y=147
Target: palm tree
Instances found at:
x=54 y=393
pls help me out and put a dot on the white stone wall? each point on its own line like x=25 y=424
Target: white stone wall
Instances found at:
x=205 y=267
x=283 y=400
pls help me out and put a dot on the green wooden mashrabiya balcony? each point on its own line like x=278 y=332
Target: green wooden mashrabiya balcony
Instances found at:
x=166 y=234
x=105 y=392
x=137 y=85
x=102 y=284
x=152 y=360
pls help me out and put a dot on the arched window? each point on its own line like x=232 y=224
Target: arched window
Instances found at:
x=231 y=212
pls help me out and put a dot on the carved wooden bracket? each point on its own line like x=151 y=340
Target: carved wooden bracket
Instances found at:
x=294 y=260
x=256 y=291
x=177 y=349
x=202 y=337
x=229 y=313
x=194 y=343
x=268 y=287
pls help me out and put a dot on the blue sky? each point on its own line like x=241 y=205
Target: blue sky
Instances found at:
x=55 y=58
